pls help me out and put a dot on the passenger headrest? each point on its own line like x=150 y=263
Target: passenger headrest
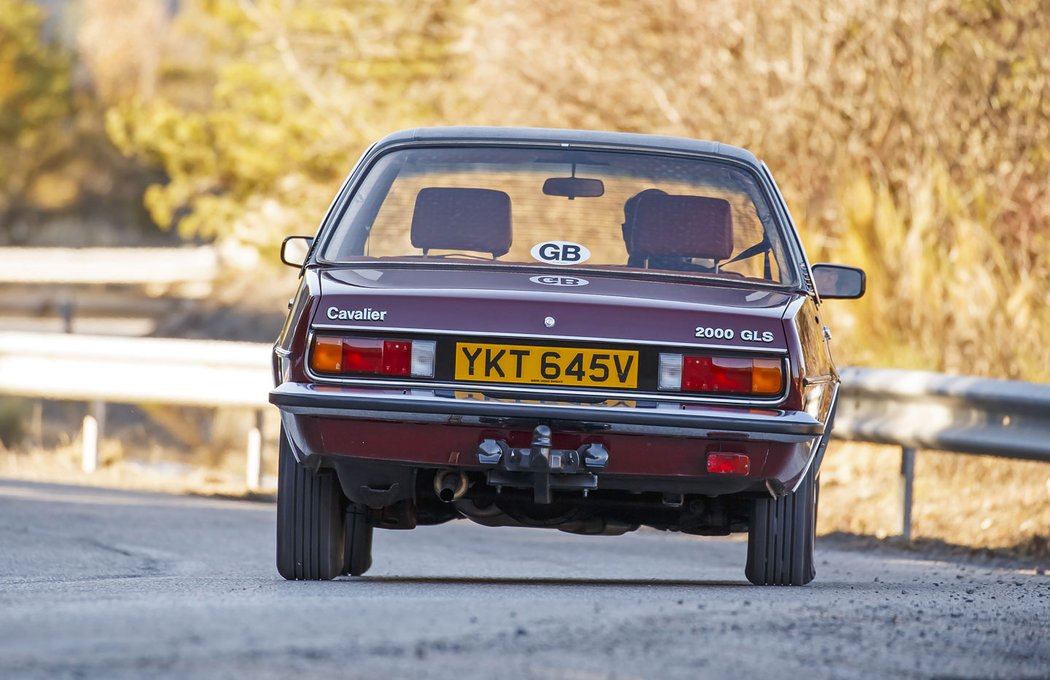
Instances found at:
x=682 y=226
x=477 y=220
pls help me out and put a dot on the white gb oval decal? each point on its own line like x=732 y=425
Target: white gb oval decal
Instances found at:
x=560 y=252
x=549 y=280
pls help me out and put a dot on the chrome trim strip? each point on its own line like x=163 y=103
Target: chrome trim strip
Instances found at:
x=818 y=379
x=537 y=336
x=294 y=436
x=545 y=390
x=789 y=229
x=290 y=413
x=819 y=444
x=792 y=308
x=301 y=400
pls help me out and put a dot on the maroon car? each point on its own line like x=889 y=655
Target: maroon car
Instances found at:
x=585 y=331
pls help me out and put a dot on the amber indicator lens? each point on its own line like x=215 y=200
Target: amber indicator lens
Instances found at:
x=722 y=375
x=327 y=355
x=767 y=376
x=373 y=356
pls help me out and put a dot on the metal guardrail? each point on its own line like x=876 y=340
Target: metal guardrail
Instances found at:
x=945 y=413
x=101 y=369
x=135 y=370
x=128 y=266
x=39 y=283
x=923 y=410
x=910 y=409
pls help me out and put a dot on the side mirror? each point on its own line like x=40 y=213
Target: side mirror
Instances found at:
x=839 y=281
x=294 y=250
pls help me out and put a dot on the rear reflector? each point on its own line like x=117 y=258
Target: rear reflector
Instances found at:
x=728 y=463
x=728 y=375
x=373 y=356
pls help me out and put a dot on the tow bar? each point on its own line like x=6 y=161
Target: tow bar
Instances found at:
x=542 y=467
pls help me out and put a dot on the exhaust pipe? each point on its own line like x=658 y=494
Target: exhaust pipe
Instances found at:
x=450 y=485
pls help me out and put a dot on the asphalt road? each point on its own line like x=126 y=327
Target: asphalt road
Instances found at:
x=98 y=583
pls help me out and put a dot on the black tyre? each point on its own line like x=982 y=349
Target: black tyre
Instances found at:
x=780 y=541
x=311 y=521
x=358 y=541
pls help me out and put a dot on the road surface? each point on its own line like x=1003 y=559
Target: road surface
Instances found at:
x=111 y=584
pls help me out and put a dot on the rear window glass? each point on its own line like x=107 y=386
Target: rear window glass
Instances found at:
x=564 y=209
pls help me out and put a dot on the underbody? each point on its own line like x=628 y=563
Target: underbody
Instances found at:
x=496 y=463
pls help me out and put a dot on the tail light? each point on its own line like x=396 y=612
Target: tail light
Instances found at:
x=726 y=375
x=728 y=464
x=373 y=356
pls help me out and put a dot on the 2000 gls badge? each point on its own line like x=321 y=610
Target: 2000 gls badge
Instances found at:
x=583 y=331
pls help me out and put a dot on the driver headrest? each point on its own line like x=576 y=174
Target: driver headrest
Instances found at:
x=477 y=220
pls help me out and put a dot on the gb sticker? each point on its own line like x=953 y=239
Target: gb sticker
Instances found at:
x=560 y=252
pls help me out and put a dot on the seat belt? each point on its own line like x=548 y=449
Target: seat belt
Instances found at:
x=760 y=247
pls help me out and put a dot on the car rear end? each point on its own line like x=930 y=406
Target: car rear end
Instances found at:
x=674 y=389
x=479 y=368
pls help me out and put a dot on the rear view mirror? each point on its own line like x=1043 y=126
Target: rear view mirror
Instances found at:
x=838 y=281
x=295 y=249
x=573 y=187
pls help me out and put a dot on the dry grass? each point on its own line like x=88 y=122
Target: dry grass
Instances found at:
x=62 y=466
x=910 y=138
x=974 y=501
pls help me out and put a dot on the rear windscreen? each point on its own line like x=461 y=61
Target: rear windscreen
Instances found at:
x=562 y=208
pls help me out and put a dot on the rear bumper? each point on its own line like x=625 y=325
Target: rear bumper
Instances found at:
x=662 y=419
x=669 y=442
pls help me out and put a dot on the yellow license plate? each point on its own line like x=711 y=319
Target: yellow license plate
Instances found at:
x=523 y=364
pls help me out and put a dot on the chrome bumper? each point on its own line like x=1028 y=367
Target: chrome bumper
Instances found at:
x=658 y=419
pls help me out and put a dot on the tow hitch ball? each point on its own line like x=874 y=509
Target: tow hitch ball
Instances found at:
x=541 y=466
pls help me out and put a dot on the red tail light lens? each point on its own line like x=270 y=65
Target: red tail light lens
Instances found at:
x=397 y=357
x=362 y=356
x=728 y=463
x=728 y=375
x=373 y=356
x=716 y=374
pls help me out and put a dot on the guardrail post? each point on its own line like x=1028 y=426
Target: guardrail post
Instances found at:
x=253 y=473
x=37 y=423
x=907 y=488
x=94 y=426
x=65 y=312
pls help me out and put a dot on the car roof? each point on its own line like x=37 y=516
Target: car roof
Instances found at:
x=519 y=135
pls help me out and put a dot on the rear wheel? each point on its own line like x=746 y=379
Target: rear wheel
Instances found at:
x=358 y=541
x=311 y=520
x=780 y=541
